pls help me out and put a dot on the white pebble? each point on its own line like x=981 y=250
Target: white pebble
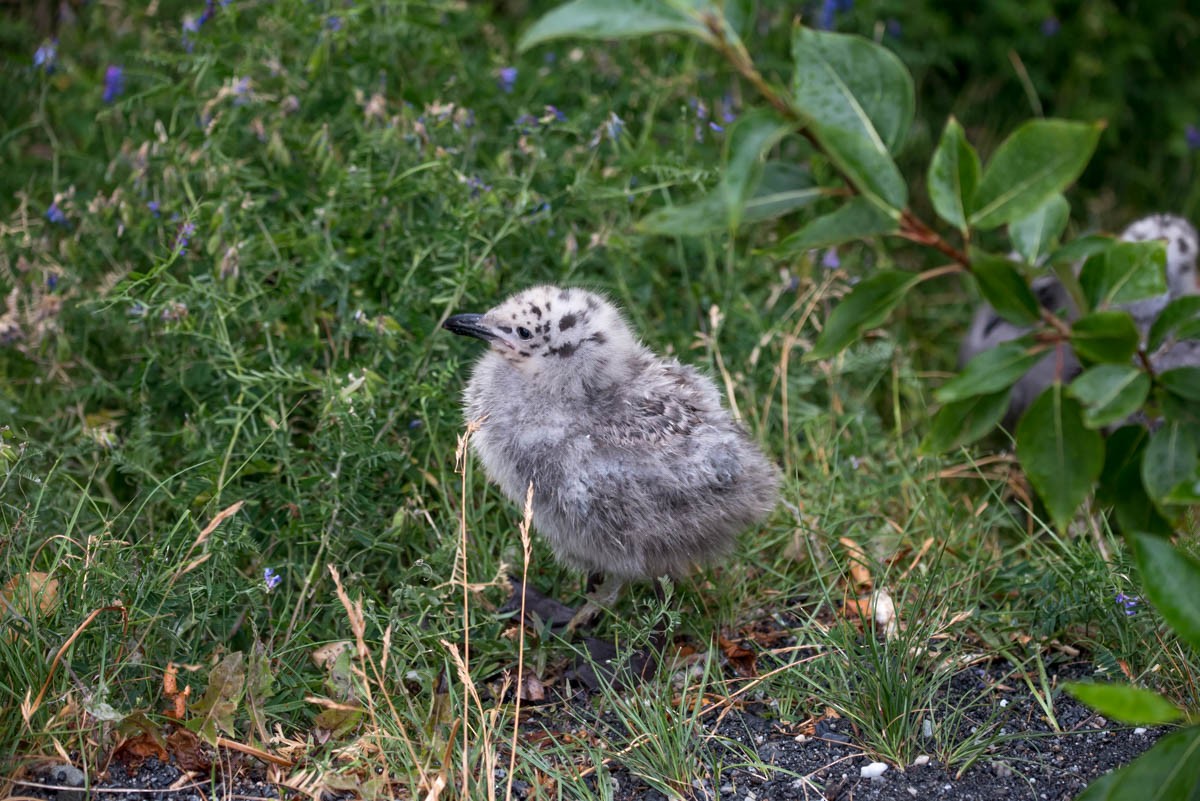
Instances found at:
x=1139 y=730
x=923 y=759
x=872 y=771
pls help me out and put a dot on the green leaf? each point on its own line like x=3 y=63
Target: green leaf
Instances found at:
x=1035 y=235
x=962 y=422
x=993 y=370
x=1171 y=582
x=1170 y=459
x=1179 y=320
x=1003 y=287
x=856 y=219
x=1185 y=493
x=1039 y=160
x=858 y=99
x=1125 y=272
x=1080 y=249
x=1182 y=381
x=1125 y=703
x=1105 y=336
x=953 y=175
x=1110 y=392
x=616 y=19
x=784 y=187
x=1121 y=482
x=215 y=710
x=870 y=170
x=749 y=138
x=1061 y=456
x=865 y=307
x=1170 y=771
x=850 y=83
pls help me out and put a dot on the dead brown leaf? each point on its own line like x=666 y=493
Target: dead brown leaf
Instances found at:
x=859 y=564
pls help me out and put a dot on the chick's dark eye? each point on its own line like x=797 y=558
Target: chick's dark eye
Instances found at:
x=524 y=333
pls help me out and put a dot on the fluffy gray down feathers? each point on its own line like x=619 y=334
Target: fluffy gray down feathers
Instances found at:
x=638 y=471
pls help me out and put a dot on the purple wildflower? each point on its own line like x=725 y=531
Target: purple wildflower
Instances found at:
x=333 y=23
x=1192 y=135
x=184 y=236
x=728 y=113
x=55 y=215
x=190 y=24
x=526 y=123
x=476 y=186
x=153 y=206
x=52 y=281
x=210 y=9
x=552 y=112
x=271 y=579
x=415 y=424
x=1130 y=602
x=714 y=126
x=614 y=126
x=114 y=83
x=1051 y=26
x=46 y=55
x=508 y=78
x=830 y=260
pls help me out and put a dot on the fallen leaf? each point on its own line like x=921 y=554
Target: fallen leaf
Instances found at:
x=742 y=659
x=860 y=572
x=189 y=751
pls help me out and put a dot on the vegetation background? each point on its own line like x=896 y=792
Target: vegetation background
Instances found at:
x=228 y=234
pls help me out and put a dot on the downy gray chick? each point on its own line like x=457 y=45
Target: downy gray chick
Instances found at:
x=988 y=329
x=637 y=469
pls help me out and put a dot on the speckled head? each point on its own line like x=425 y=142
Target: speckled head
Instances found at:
x=549 y=328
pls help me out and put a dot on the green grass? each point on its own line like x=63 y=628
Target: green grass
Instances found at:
x=350 y=183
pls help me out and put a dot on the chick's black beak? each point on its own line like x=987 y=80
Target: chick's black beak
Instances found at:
x=470 y=325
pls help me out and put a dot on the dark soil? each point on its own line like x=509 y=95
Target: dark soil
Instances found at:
x=1028 y=760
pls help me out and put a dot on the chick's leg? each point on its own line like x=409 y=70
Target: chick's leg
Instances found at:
x=603 y=596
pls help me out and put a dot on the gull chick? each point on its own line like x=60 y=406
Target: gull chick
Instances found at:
x=988 y=329
x=638 y=471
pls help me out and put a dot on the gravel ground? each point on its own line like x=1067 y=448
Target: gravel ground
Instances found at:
x=1031 y=762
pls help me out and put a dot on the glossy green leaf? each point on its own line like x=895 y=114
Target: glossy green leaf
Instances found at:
x=993 y=370
x=1035 y=235
x=953 y=175
x=1105 y=336
x=783 y=188
x=1170 y=459
x=1081 y=249
x=1003 y=287
x=1059 y=454
x=1109 y=393
x=1121 y=485
x=962 y=422
x=1171 y=582
x=617 y=19
x=1124 y=272
x=1125 y=703
x=1185 y=493
x=867 y=305
x=857 y=218
x=1170 y=771
x=1039 y=160
x=858 y=99
x=1183 y=382
x=750 y=137
x=1179 y=320
x=871 y=170
x=849 y=83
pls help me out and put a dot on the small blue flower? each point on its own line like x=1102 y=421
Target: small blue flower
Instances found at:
x=52 y=282
x=1192 y=135
x=271 y=579
x=184 y=236
x=55 y=215
x=508 y=78
x=728 y=111
x=210 y=9
x=191 y=24
x=1051 y=26
x=830 y=260
x=614 y=126
x=713 y=125
x=153 y=206
x=476 y=186
x=333 y=23
x=46 y=55
x=552 y=113
x=1130 y=602
x=414 y=424
x=114 y=83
